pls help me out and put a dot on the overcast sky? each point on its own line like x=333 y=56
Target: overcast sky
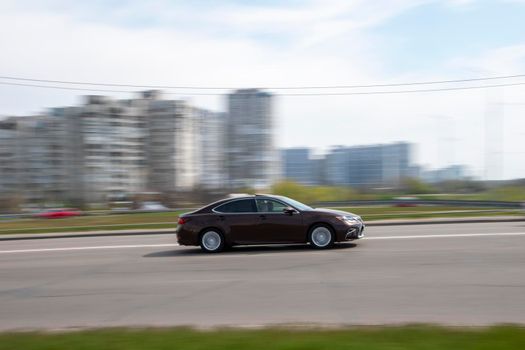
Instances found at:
x=294 y=43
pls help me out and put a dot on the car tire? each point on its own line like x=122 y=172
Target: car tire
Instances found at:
x=212 y=241
x=321 y=236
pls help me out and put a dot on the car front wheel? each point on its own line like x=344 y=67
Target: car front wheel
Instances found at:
x=321 y=237
x=212 y=241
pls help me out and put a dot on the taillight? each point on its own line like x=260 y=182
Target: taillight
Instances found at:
x=182 y=221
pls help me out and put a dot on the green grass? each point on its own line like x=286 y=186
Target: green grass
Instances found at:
x=504 y=193
x=165 y=220
x=369 y=338
x=90 y=223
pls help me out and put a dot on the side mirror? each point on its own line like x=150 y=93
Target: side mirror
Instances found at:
x=289 y=211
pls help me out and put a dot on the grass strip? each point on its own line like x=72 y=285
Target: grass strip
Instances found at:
x=418 y=337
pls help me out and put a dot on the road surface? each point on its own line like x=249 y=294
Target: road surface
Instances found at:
x=448 y=273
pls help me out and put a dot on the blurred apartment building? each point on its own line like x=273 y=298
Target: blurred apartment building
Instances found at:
x=252 y=159
x=108 y=148
x=209 y=149
x=449 y=173
x=35 y=158
x=8 y=156
x=299 y=165
x=184 y=147
x=107 y=137
x=169 y=158
x=78 y=154
x=358 y=166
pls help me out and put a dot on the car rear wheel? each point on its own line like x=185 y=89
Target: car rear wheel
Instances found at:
x=212 y=241
x=321 y=237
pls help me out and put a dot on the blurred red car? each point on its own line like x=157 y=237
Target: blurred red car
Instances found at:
x=58 y=213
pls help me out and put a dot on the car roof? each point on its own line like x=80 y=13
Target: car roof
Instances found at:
x=250 y=196
x=209 y=207
x=236 y=197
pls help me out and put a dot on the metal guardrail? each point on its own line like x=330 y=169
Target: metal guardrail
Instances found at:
x=97 y=213
x=440 y=202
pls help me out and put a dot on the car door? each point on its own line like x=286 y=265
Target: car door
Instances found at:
x=239 y=218
x=276 y=225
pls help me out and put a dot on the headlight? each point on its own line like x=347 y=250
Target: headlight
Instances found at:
x=351 y=220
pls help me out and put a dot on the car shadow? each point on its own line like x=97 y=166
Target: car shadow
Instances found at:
x=244 y=250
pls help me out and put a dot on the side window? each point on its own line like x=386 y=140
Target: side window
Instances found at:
x=238 y=206
x=270 y=206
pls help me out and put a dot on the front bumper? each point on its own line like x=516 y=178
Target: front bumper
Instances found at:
x=355 y=232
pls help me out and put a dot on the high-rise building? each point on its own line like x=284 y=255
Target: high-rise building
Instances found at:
x=209 y=148
x=42 y=153
x=171 y=146
x=36 y=159
x=251 y=155
x=375 y=165
x=450 y=173
x=109 y=139
x=107 y=149
x=298 y=166
x=397 y=162
x=337 y=163
x=8 y=157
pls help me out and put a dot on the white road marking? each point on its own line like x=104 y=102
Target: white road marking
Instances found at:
x=89 y=248
x=454 y=235
x=451 y=235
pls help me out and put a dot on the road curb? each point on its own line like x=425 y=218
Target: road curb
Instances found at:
x=434 y=221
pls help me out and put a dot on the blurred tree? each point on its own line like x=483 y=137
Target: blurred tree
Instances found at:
x=11 y=203
x=247 y=190
x=461 y=186
x=311 y=194
x=506 y=193
x=411 y=185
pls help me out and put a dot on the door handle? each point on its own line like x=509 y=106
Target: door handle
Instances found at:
x=221 y=217
x=262 y=217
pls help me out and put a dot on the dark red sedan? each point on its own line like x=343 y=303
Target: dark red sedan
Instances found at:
x=265 y=219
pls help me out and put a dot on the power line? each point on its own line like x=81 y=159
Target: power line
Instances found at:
x=384 y=92
x=402 y=91
x=269 y=87
x=98 y=90
x=60 y=87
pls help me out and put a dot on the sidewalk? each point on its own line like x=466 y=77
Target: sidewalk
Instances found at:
x=391 y=222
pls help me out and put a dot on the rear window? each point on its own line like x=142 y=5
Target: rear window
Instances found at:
x=238 y=206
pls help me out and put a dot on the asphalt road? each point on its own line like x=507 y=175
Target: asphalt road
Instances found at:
x=451 y=274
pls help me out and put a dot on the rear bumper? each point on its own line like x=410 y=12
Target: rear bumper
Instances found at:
x=186 y=236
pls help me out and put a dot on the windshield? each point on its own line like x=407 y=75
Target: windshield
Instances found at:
x=294 y=203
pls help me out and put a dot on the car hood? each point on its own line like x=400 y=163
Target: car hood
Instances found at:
x=335 y=212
